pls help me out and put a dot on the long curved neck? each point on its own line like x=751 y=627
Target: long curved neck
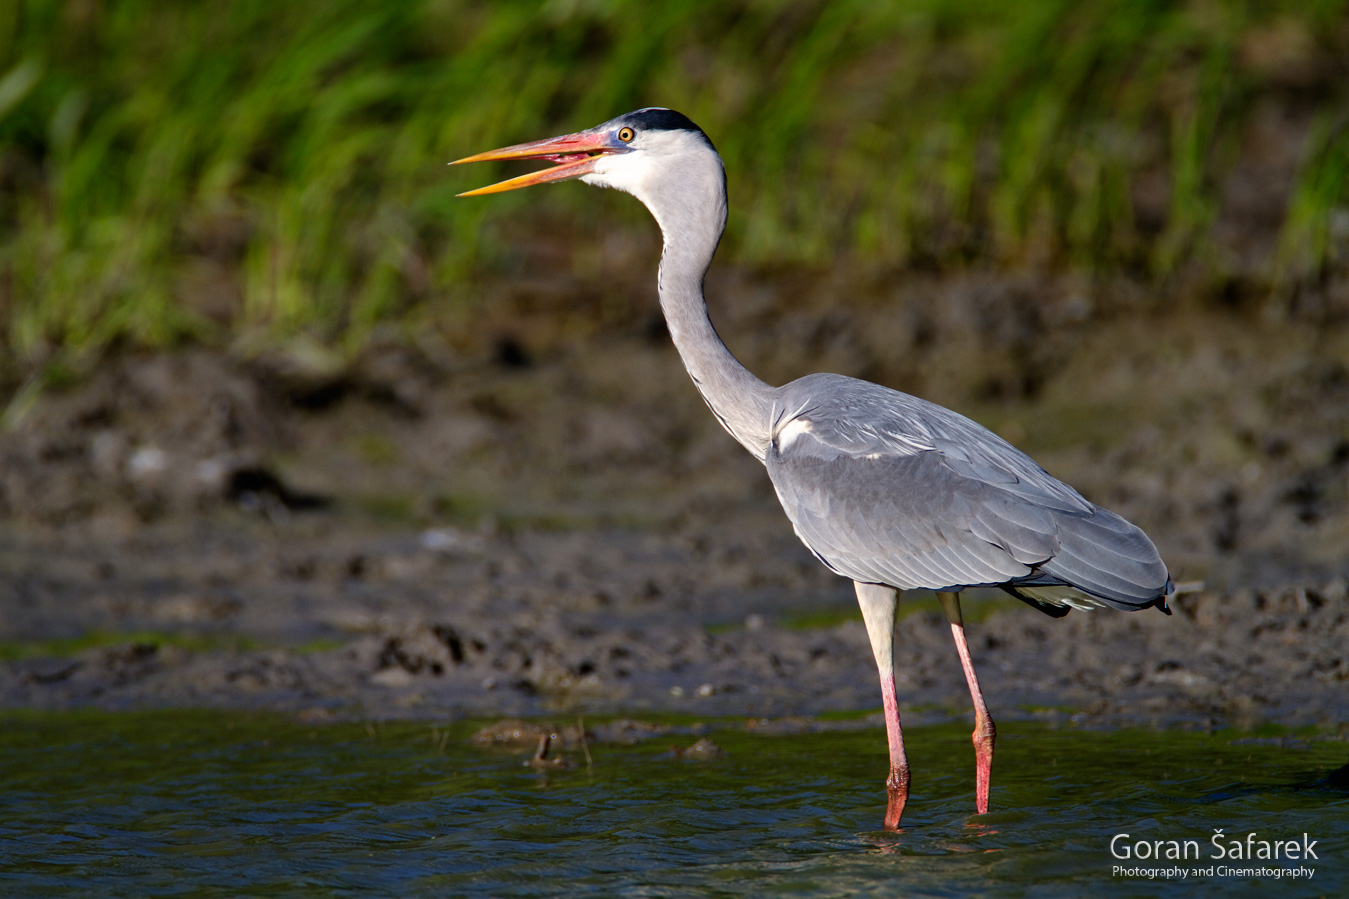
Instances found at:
x=692 y=228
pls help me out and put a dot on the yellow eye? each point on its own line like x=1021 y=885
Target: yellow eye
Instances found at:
x=626 y=135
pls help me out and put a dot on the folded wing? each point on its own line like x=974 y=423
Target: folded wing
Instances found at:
x=886 y=488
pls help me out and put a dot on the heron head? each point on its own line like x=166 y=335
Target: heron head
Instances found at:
x=631 y=153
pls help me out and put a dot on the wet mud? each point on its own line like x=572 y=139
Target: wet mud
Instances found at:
x=549 y=520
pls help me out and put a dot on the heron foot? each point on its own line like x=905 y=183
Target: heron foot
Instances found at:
x=897 y=792
x=984 y=736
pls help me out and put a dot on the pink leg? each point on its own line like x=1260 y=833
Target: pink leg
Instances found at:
x=984 y=732
x=878 y=611
x=897 y=785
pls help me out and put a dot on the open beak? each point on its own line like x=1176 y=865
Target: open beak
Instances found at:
x=574 y=154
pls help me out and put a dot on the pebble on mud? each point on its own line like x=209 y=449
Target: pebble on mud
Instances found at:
x=517 y=733
x=699 y=751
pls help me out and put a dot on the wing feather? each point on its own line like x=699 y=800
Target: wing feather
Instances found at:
x=886 y=488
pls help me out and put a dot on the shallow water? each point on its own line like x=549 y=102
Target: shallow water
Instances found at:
x=171 y=803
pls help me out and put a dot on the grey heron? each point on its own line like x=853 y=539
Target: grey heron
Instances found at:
x=884 y=488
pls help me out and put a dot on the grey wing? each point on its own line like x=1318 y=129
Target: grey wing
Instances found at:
x=886 y=488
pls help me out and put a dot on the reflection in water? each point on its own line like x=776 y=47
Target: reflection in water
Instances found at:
x=165 y=802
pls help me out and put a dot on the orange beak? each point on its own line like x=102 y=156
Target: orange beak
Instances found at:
x=574 y=154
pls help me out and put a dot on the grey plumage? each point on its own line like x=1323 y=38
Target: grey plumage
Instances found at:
x=887 y=488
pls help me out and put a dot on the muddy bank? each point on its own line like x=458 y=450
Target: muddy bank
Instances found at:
x=549 y=522
x=444 y=623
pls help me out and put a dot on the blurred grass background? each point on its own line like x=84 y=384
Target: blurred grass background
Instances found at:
x=255 y=173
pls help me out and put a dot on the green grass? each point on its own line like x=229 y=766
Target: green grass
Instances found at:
x=14 y=651
x=66 y=647
x=259 y=174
